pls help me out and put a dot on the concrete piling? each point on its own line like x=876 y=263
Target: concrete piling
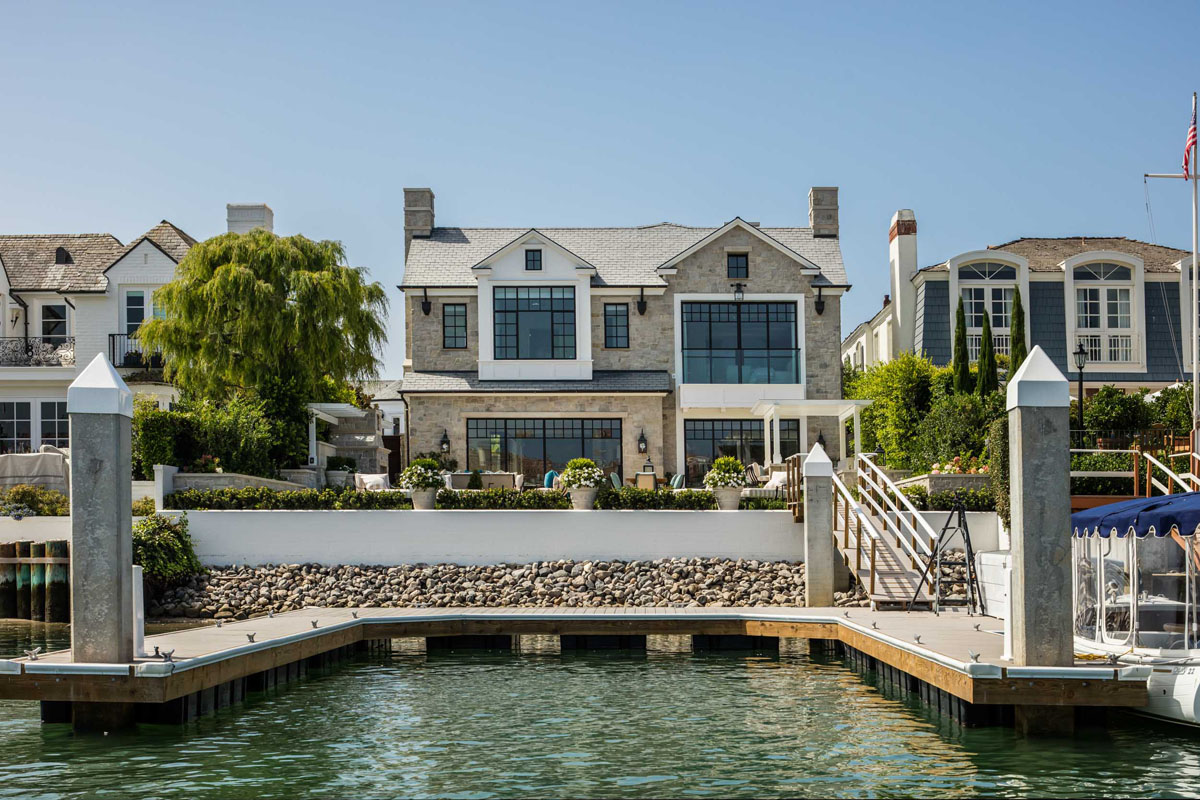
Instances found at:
x=37 y=583
x=820 y=567
x=8 y=581
x=58 y=583
x=23 y=577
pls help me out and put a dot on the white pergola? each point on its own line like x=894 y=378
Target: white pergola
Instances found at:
x=331 y=413
x=772 y=411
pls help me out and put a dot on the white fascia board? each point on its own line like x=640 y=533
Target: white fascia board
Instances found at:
x=542 y=239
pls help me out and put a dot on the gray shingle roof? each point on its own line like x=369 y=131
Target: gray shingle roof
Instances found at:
x=468 y=382
x=28 y=259
x=622 y=256
x=1045 y=254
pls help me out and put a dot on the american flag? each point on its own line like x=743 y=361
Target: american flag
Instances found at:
x=1191 y=141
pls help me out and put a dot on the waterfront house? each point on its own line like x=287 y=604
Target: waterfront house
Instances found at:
x=1122 y=299
x=668 y=344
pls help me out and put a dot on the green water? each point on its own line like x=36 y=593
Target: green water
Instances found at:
x=618 y=725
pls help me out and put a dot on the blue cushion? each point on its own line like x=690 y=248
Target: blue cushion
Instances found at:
x=548 y=483
x=616 y=482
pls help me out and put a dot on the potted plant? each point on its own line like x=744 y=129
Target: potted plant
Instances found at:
x=582 y=480
x=339 y=471
x=423 y=479
x=725 y=479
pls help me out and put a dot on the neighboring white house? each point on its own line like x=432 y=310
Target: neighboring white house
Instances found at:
x=66 y=298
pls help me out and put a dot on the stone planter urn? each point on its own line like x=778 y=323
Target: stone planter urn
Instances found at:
x=728 y=497
x=584 y=498
x=423 y=499
x=339 y=478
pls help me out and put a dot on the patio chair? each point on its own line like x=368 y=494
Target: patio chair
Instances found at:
x=677 y=481
x=646 y=480
x=372 y=483
x=614 y=480
x=548 y=481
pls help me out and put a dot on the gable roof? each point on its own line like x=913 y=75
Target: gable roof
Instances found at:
x=621 y=256
x=529 y=235
x=28 y=259
x=1045 y=254
x=171 y=240
x=739 y=224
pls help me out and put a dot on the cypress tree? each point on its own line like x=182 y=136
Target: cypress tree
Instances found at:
x=988 y=381
x=962 y=365
x=1017 y=350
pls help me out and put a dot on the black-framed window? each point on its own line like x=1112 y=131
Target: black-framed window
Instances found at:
x=533 y=322
x=533 y=260
x=54 y=323
x=454 y=326
x=16 y=428
x=616 y=325
x=705 y=440
x=740 y=343
x=55 y=427
x=737 y=265
x=533 y=447
x=135 y=310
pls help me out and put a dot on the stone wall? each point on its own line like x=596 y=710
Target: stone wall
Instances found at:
x=651 y=336
x=227 y=480
x=423 y=341
x=429 y=415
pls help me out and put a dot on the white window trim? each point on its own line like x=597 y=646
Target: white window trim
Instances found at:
x=578 y=368
x=995 y=256
x=38 y=304
x=1185 y=311
x=1137 y=307
x=35 y=417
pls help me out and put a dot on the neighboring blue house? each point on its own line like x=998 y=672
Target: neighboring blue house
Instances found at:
x=1122 y=299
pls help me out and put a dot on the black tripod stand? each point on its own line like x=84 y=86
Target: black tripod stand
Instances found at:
x=956 y=524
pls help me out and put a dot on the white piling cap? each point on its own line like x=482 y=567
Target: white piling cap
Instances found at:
x=817 y=464
x=99 y=390
x=1038 y=383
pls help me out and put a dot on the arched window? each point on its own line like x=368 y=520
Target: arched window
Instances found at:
x=1104 y=311
x=63 y=256
x=987 y=286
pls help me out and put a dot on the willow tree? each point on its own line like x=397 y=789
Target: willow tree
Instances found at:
x=988 y=380
x=1017 y=349
x=961 y=366
x=280 y=318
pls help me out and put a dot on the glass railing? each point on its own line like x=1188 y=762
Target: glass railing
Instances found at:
x=742 y=366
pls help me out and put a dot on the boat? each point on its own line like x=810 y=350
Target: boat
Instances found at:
x=1136 y=590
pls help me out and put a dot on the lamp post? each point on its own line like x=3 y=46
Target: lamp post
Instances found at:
x=1081 y=357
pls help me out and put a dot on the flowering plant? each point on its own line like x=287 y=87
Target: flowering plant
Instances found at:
x=971 y=465
x=207 y=463
x=422 y=473
x=726 y=472
x=581 y=473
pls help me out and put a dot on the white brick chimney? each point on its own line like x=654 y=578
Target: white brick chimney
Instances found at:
x=245 y=217
x=902 y=258
x=823 y=211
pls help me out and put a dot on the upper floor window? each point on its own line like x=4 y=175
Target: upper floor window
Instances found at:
x=1102 y=272
x=738 y=265
x=996 y=301
x=740 y=343
x=54 y=323
x=533 y=260
x=987 y=271
x=454 y=326
x=534 y=322
x=135 y=310
x=616 y=325
x=1104 y=313
x=63 y=256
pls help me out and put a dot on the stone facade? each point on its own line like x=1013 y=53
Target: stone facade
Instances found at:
x=429 y=415
x=423 y=340
x=651 y=335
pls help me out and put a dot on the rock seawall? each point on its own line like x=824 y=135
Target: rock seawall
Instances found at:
x=234 y=592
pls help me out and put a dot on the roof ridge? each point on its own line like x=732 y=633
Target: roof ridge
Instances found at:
x=1079 y=238
x=53 y=235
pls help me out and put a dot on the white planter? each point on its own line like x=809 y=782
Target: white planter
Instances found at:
x=728 y=497
x=339 y=478
x=583 y=499
x=423 y=499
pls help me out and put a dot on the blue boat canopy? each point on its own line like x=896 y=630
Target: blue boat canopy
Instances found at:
x=1141 y=517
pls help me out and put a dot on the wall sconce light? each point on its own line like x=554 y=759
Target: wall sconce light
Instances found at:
x=821 y=439
x=426 y=306
x=641 y=303
x=819 y=303
x=642 y=442
x=16 y=315
x=739 y=292
x=445 y=441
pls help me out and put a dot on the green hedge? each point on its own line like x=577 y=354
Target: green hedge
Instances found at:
x=501 y=499
x=1103 y=462
x=973 y=499
x=258 y=499
x=163 y=548
x=237 y=433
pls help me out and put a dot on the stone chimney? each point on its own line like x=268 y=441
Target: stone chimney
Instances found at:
x=823 y=211
x=902 y=258
x=245 y=217
x=418 y=215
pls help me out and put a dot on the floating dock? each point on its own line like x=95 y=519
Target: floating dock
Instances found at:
x=952 y=660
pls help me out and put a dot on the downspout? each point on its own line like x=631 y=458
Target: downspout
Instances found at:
x=407 y=428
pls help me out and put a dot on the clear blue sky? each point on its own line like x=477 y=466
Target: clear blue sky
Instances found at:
x=991 y=121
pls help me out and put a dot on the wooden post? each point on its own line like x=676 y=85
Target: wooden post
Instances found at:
x=8 y=581
x=1137 y=471
x=58 y=583
x=37 y=583
x=23 y=580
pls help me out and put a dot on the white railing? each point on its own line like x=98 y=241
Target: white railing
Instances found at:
x=1001 y=343
x=1109 y=348
x=852 y=510
x=896 y=511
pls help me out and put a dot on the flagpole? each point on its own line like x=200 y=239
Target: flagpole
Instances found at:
x=1195 y=293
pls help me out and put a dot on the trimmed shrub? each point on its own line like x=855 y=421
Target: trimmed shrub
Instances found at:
x=163 y=548
x=973 y=499
x=502 y=499
x=629 y=498
x=41 y=501
x=444 y=462
x=997 y=447
x=162 y=437
x=475 y=482
x=1102 y=462
x=143 y=506
x=262 y=499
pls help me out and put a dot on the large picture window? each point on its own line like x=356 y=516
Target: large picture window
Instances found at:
x=533 y=447
x=1104 y=313
x=740 y=343
x=534 y=322
x=705 y=440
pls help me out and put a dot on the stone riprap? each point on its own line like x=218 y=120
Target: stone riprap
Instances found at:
x=240 y=592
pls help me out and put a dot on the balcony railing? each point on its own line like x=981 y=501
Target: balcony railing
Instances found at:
x=1109 y=348
x=48 y=351
x=124 y=350
x=1001 y=344
x=742 y=366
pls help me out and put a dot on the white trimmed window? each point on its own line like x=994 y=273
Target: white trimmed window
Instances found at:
x=1104 y=312
x=981 y=290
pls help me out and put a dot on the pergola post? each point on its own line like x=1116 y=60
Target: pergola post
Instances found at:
x=778 y=457
x=768 y=451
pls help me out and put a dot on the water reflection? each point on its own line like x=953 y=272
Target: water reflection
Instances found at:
x=612 y=725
